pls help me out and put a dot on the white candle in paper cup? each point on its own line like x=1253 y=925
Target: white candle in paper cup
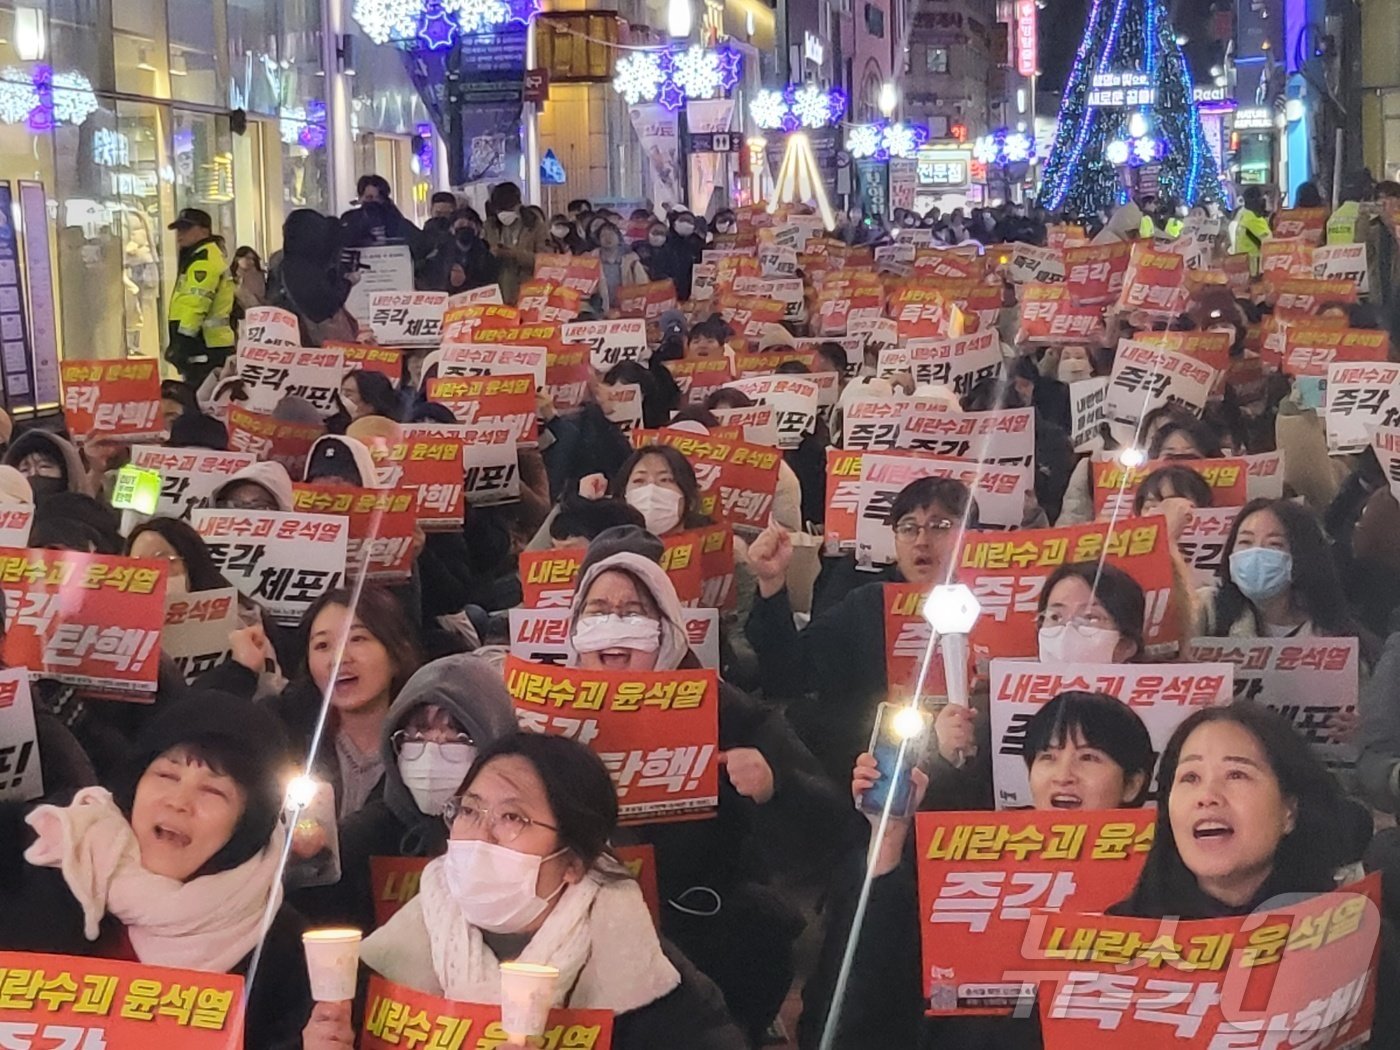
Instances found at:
x=527 y=993
x=332 y=963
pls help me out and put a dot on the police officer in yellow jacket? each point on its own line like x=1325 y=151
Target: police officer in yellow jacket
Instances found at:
x=201 y=335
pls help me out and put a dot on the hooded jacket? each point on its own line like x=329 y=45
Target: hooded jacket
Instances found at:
x=334 y=446
x=47 y=443
x=272 y=477
x=675 y=646
x=471 y=690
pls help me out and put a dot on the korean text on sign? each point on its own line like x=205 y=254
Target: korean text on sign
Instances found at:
x=1162 y=695
x=84 y=1003
x=92 y=620
x=982 y=876
x=1298 y=975
x=398 y=1017
x=284 y=561
x=657 y=731
x=114 y=398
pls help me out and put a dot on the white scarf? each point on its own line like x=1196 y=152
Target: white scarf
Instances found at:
x=209 y=923
x=599 y=937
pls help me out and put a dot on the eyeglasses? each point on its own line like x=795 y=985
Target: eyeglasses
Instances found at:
x=1083 y=618
x=504 y=826
x=908 y=530
x=247 y=505
x=412 y=748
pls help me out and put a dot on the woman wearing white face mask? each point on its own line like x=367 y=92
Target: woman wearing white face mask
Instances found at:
x=1091 y=613
x=529 y=877
x=445 y=715
x=660 y=483
x=773 y=802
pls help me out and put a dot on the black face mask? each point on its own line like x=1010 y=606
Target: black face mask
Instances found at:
x=466 y=236
x=47 y=486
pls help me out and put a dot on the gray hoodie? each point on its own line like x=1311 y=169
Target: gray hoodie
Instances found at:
x=272 y=477
x=50 y=444
x=471 y=690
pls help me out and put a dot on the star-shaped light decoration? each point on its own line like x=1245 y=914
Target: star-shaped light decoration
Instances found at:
x=437 y=30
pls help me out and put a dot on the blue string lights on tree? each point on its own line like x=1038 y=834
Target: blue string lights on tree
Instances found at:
x=674 y=75
x=1129 y=70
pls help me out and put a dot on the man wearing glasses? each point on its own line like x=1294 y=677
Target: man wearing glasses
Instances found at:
x=833 y=670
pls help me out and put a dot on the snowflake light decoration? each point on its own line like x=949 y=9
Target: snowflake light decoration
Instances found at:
x=639 y=77
x=1146 y=149
x=476 y=16
x=1019 y=147
x=386 y=20
x=814 y=108
x=903 y=140
x=1004 y=147
x=697 y=72
x=769 y=109
x=73 y=98
x=17 y=95
x=863 y=141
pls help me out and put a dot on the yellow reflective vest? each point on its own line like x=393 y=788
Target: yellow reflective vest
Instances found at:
x=1251 y=231
x=203 y=299
x=1341 y=225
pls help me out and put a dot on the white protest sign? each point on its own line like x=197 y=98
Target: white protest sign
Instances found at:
x=623 y=406
x=892 y=361
x=758 y=424
x=1005 y=436
x=189 y=477
x=959 y=363
x=1308 y=680
x=895 y=258
x=610 y=342
x=16 y=519
x=1342 y=262
x=1202 y=541
x=197 y=626
x=381 y=268
x=492 y=463
x=271 y=326
x=919 y=236
x=1000 y=493
x=494 y=359
x=283 y=561
x=21 y=771
x=1145 y=377
x=1162 y=695
x=702 y=281
x=1031 y=263
x=795 y=398
x=407 y=318
x=1359 y=398
x=877 y=332
x=542 y=635
x=777 y=260
x=270 y=373
x=873 y=424
x=1088 y=400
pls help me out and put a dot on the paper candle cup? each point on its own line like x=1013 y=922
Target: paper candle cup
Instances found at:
x=332 y=963
x=527 y=992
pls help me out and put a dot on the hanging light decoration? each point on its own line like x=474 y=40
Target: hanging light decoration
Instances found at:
x=18 y=96
x=798 y=106
x=673 y=76
x=433 y=24
x=885 y=140
x=1004 y=147
x=799 y=180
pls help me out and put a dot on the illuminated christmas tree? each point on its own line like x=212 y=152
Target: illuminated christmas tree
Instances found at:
x=1128 y=116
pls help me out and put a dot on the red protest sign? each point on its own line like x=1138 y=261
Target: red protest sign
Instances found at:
x=1155 y=282
x=920 y=313
x=272 y=439
x=546 y=302
x=393 y=883
x=426 y=461
x=1305 y=296
x=1115 y=485
x=508 y=400
x=843 y=493
x=1007 y=572
x=906 y=643
x=737 y=480
x=578 y=273
x=65 y=1001
x=717 y=566
x=1211 y=348
x=1309 y=348
x=1283 y=259
x=92 y=620
x=548 y=576
x=1050 y=315
x=982 y=876
x=647 y=301
x=114 y=398
x=1309 y=224
x=656 y=731
x=1094 y=272
x=461 y=322
x=380 y=542
x=397 y=1016
x=1300 y=974
x=698 y=377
